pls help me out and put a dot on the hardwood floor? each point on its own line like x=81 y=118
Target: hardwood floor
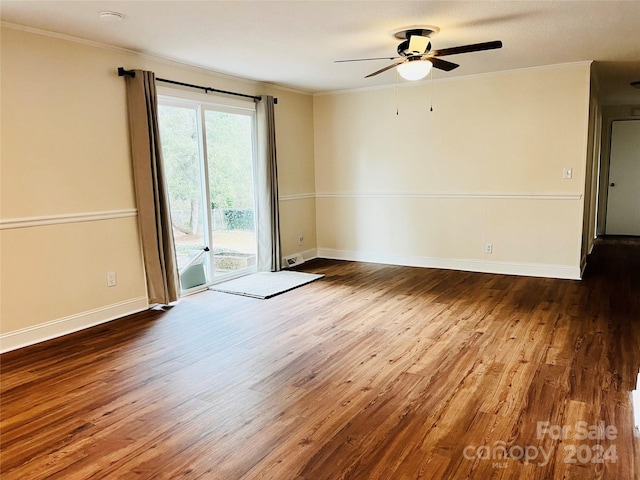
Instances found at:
x=374 y=372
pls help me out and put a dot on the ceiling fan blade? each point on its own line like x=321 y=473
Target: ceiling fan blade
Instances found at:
x=476 y=47
x=384 y=69
x=443 y=64
x=365 y=59
x=417 y=44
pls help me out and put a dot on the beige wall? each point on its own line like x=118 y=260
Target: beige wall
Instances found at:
x=67 y=201
x=432 y=188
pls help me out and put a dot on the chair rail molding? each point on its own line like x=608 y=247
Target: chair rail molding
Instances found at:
x=44 y=220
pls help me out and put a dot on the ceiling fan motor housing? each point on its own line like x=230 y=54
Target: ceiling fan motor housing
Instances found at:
x=403 y=49
x=416 y=46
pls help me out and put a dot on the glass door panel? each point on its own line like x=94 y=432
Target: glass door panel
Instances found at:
x=230 y=166
x=180 y=135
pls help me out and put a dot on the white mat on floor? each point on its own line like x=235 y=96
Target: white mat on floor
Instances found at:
x=266 y=284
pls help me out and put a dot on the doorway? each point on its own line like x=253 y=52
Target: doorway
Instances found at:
x=623 y=204
x=209 y=159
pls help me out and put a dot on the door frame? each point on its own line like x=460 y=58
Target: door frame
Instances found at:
x=203 y=102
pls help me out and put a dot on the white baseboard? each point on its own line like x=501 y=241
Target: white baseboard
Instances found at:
x=504 y=268
x=63 y=326
x=309 y=254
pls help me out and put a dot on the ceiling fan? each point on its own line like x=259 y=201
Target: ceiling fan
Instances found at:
x=415 y=57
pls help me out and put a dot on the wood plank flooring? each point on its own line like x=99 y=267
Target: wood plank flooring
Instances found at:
x=374 y=372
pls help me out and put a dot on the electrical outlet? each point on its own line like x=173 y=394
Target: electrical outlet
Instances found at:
x=488 y=248
x=111 y=279
x=300 y=240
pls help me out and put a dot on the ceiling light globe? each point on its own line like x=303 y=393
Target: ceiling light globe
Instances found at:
x=414 y=69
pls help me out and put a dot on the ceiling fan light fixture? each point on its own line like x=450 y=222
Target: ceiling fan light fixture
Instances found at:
x=414 y=69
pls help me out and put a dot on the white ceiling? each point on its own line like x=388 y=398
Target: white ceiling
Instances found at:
x=294 y=43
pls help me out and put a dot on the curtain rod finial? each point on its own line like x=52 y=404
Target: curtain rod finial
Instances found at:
x=259 y=99
x=128 y=73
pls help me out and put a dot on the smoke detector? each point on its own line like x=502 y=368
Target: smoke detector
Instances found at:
x=111 y=16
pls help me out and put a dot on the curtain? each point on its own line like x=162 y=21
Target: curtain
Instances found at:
x=269 y=255
x=154 y=216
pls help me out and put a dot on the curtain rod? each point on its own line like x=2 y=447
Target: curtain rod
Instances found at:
x=130 y=73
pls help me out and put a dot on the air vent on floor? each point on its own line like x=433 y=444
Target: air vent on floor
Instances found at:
x=293 y=260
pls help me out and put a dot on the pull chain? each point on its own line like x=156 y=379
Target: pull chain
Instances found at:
x=431 y=82
x=397 y=110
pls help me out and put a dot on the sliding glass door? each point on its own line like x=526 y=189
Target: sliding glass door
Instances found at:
x=209 y=155
x=230 y=166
